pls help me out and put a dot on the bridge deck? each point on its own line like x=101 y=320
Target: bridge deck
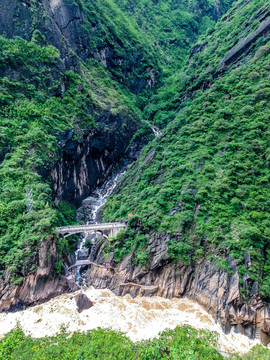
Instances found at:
x=92 y=227
x=88 y=262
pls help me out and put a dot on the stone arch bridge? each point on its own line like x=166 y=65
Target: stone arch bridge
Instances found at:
x=108 y=230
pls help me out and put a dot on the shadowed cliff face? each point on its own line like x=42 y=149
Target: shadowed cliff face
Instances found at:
x=38 y=287
x=60 y=23
x=65 y=25
x=203 y=281
x=87 y=163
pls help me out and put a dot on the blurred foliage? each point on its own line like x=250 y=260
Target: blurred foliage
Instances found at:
x=183 y=343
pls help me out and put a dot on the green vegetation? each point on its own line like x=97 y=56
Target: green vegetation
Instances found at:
x=38 y=103
x=205 y=181
x=30 y=118
x=182 y=343
x=112 y=30
x=41 y=99
x=259 y=352
x=203 y=67
x=172 y=25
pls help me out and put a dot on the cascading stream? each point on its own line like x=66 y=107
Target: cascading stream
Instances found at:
x=91 y=208
x=155 y=129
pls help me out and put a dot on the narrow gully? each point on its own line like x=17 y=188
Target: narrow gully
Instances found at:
x=89 y=212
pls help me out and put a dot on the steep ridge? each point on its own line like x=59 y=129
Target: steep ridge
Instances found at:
x=200 y=191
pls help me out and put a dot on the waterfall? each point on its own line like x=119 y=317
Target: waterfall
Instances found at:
x=90 y=210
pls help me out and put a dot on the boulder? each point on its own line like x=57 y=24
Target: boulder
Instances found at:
x=83 y=254
x=83 y=302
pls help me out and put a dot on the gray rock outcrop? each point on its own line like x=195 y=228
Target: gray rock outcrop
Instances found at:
x=39 y=287
x=83 y=302
x=88 y=162
x=243 y=45
x=216 y=290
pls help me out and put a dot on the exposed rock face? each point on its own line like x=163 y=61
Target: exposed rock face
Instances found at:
x=59 y=22
x=65 y=26
x=237 y=54
x=243 y=46
x=39 y=287
x=88 y=162
x=204 y=282
x=197 y=49
x=83 y=302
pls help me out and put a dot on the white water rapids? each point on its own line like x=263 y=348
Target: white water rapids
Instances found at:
x=140 y=318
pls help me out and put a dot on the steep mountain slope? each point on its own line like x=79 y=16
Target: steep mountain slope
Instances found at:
x=41 y=109
x=73 y=74
x=86 y=29
x=205 y=57
x=57 y=97
x=200 y=191
x=174 y=25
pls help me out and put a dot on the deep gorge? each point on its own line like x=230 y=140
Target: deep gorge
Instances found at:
x=82 y=85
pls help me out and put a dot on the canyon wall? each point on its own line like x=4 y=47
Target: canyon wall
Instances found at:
x=80 y=37
x=87 y=162
x=215 y=289
x=38 y=287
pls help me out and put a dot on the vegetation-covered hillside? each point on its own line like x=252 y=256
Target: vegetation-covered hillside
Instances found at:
x=205 y=180
x=172 y=25
x=39 y=101
x=64 y=67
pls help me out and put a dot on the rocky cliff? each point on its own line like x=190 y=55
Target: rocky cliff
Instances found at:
x=87 y=163
x=38 y=287
x=203 y=281
x=80 y=32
